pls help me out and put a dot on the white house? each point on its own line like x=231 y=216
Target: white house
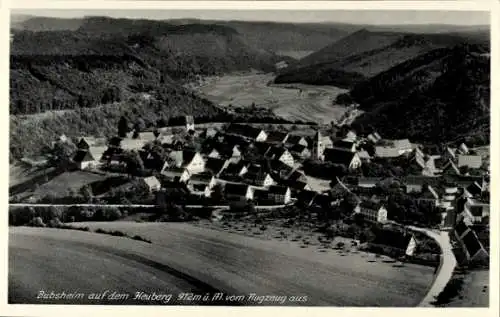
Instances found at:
x=176 y=174
x=476 y=212
x=190 y=160
x=372 y=212
x=84 y=160
x=189 y=123
x=280 y=154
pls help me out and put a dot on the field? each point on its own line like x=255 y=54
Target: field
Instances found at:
x=295 y=54
x=230 y=262
x=69 y=181
x=314 y=103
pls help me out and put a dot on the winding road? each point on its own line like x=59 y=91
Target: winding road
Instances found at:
x=185 y=258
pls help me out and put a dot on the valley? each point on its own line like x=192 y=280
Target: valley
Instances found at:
x=292 y=102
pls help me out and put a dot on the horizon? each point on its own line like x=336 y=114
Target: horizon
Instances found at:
x=349 y=17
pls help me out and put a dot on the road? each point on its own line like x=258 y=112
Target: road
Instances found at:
x=270 y=207
x=446 y=267
x=183 y=257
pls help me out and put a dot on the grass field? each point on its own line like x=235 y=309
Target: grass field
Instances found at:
x=269 y=266
x=61 y=185
x=315 y=103
x=475 y=292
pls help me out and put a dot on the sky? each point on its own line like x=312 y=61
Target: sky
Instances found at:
x=337 y=16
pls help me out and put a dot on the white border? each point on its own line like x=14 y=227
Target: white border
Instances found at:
x=75 y=310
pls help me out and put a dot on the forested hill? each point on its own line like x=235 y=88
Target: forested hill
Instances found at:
x=436 y=97
x=365 y=54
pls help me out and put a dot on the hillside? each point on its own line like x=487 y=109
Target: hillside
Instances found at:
x=436 y=97
x=37 y=24
x=366 y=54
x=91 y=77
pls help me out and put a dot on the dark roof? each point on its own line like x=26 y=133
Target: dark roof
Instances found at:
x=307 y=196
x=275 y=152
x=471 y=243
x=294 y=139
x=278 y=190
x=256 y=178
x=296 y=176
x=260 y=194
x=83 y=156
x=236 y=189
x=201 y=178
x=234 y=168
x=262 y=147
x=338 y=156
x=369 y=180
x=461 y=227
x=394 y=239
x=322 y=200
x=276 y=136
x=214 y=165
x=474 y=189
x=298 y=148
x=243 y=130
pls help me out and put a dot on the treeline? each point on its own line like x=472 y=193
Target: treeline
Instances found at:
x=320 y=74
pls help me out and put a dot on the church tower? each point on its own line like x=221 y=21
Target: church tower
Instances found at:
x=318 y=147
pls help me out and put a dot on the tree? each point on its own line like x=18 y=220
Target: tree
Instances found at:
x=61 y=154
x=122 y=127
x=135 y=165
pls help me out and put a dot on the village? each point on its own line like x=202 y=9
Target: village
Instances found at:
x=240 y=165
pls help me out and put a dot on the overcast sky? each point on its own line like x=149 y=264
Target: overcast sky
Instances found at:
x=339 y=16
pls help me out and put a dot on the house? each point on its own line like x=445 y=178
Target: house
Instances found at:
x=403 y=146
x=371 y=211
x=344 y=145
x=261 y=179
x=280 y=194
x=364 y=156
x=238 y=192
x=145 y=136
x=386 y=152
x=176 y=174
x=281 y=65
x=97 y=152
x=476 y=212
x=351 y=136
x=473 y=248
x=190 y=160
x=473 y=190
x=248 y=132
x=295 y=139
x=84 y=160
x=280 y=154
x=208 y=133
x=463 y=149
x=374 y=137
x=189 y=121
x=152 y=182
x=306 y=197
x=215 y=165
x=166 y=139
x=202 y=183
x=451 y=153
x=260 y=196
x=346 y=158
x=276 y=137
x=85 y=143
x=115 y=142
x=300 y=151
x=417 y=183
x=471 y=161
x=235 y=170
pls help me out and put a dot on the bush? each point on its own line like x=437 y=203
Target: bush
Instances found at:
x=37 y=222
x=139 y=238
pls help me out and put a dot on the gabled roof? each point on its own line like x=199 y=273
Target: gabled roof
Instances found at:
x=372 y=205
x=276 y=136
x=181 y=158
x=214 y=165
x=244 y=130
x=461 y=227
x=174 y=171
x=472 y=161
x=369 y=180
x=474 y=189
x=294 y=139
x=276 y=152
x=421 y=180
x=235 y=168
x=297 y=176
x=262 y=147
x=337 y=156
x=236 y=189
x=97 y=152
x=402 y=145
x=204 y=178
x=256 y=178
x=298 y=148
x=307 y=196
x=83 y=156
x=343 y=144
x=363 y=154
x=463 y=149
x=471 y=243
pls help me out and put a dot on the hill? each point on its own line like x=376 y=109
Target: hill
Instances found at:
x=439 y=96
x=366 y=54
x=37 y=24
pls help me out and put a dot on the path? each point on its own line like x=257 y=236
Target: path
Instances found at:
x=135 y=206
x=446 y=265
